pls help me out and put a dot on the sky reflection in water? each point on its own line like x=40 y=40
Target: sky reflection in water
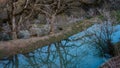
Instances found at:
x=69 y=53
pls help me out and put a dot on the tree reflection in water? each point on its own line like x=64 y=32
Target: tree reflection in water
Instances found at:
x=59 y=55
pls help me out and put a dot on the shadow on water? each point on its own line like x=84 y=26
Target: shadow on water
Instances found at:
x=69 y=53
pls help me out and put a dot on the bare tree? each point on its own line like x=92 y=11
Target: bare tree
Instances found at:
x=52 y=8
x=18 y=13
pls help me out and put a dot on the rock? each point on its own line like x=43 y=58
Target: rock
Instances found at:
x=42 y=19
x=4 y=36
x=36 y=21
x=35 y=31
x=6 y=27
x=41 y=30
x=3 y=14
x=24 y=34
x=46 y=29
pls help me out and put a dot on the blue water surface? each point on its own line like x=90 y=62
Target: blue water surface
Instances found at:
x=71 y=53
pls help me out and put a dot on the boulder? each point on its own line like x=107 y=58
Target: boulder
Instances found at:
x=46 y=29
x=3 y=14
x=42 y=19
x=39 y=29
x=4 y=36
x=24 y=34
x=36 y=31
x=6 y=28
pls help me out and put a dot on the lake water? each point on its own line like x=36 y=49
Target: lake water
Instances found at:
x=75 y=52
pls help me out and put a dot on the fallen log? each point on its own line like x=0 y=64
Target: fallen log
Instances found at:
x=13 y=47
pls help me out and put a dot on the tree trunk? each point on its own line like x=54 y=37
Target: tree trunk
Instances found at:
x=14 y=34
x=52 y=20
